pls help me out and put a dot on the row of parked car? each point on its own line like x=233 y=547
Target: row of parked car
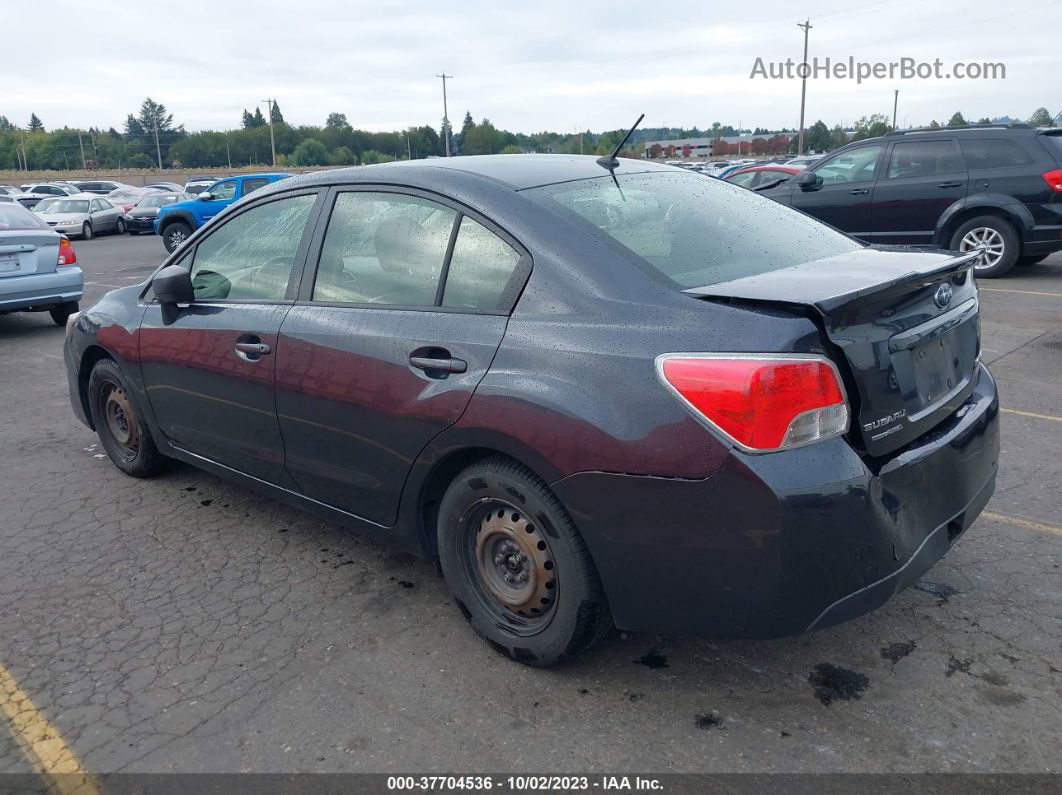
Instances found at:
x=994 y=188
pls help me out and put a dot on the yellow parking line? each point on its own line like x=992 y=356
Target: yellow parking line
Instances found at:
x=41 y=743
x=1032 y=414
x=1022 y=292
x=1028 y=524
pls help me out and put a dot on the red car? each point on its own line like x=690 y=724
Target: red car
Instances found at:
x=757 y=177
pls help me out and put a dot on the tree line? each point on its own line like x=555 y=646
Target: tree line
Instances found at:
x=151 y=136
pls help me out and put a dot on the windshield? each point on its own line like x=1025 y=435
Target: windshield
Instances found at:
x=15 y=216
x=68 y=206
x=691 y=231
x=157 y=200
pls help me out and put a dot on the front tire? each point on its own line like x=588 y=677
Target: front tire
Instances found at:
x=999 y=238
x=122 y=431
x=86 y=231
x=175 y=234
x=120 y=229
x=61 y=312
x=517 y=566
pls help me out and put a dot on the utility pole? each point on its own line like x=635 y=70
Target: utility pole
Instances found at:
x=272 y=142
x=228 y=155
x=895 y=102
x=446 y=114
x=806 y=26
x=158 y=149
x=82 y=148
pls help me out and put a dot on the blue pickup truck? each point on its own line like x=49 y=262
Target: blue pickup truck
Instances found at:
x=176 y=222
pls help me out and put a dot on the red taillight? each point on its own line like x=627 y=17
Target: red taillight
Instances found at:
x=66 y=253
x=762 y=402
x=1054 y=179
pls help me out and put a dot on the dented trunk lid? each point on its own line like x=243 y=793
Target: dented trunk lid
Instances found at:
x=903 y=326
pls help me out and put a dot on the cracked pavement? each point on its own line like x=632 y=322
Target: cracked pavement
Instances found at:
x=184 y=624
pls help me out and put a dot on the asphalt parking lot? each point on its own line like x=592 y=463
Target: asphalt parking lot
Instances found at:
x=184 y=624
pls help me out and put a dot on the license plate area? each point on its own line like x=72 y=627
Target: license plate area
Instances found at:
x=935 y=361
x=9 y=265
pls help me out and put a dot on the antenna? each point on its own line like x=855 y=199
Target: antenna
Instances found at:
x=609 y=161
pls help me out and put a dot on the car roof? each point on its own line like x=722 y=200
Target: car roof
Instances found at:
x=514 y=171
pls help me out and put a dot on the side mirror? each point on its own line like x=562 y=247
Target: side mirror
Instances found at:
x=173 y=285
x=808 y=180
x=205 y=196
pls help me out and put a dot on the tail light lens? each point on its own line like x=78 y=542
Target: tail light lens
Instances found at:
x=761 y=403
x=66 y=253
x=1054 y=179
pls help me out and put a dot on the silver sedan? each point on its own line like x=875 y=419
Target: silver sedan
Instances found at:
x=85 y=215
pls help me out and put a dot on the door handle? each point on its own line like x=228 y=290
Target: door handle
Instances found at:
x=429 y=363
x=949 y=185
x=251 y=351
x=859 y=191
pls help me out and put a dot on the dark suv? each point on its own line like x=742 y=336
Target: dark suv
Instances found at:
x=956 y=188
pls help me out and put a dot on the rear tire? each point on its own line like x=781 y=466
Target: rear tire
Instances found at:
x=1001 y=239
x=517 y=566
x=175 y=234
x=121 y=429
x=61 y=312
x=86 y=231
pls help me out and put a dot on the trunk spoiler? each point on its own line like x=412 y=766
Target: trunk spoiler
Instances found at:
x=832 y=283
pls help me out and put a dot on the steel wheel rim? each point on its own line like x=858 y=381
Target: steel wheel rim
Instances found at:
x=508 y=559
x=988 y=238
x=121 y=421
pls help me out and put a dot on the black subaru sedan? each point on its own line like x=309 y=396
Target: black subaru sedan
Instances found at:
x=598 y=393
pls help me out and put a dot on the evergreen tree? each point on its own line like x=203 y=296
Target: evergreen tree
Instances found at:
x=1041 y=118
x=275 y=115
x=259 y=119
x=956 y=120
x=35 y=124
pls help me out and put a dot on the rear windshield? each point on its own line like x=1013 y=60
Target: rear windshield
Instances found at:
x=15 y=216
x=1054 y=144
x=691 y=230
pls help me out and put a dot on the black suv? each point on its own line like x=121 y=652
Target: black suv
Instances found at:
x=955 y=188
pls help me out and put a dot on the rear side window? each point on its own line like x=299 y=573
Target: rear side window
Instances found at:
x=923 y=159
x=383 y=248
x=250 y=257
x=480 y=268
x=253 y=184
x=15 y=216
x=690 y=231
x=852 y=165
x=994 y=153
x=1053 y=142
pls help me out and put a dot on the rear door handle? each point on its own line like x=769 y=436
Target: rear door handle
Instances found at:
x=428 y=363
x=949 y=185
x=859 y=191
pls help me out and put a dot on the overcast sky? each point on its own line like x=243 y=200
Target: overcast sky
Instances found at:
x=545 y=65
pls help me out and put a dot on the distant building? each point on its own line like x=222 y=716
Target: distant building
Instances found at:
x=724 y=146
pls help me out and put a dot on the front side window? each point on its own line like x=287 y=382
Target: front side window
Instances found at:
x=250 y=257
x=383 y=248
x=480 y=268
x=689 y=231
x=855 y=165
x=223 y=190
x=993 y=153
x=923 y=159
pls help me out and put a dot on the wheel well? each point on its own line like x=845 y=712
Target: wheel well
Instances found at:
x=973 y=212
x=89 y=358
x=435 y=487
x=174 y=219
